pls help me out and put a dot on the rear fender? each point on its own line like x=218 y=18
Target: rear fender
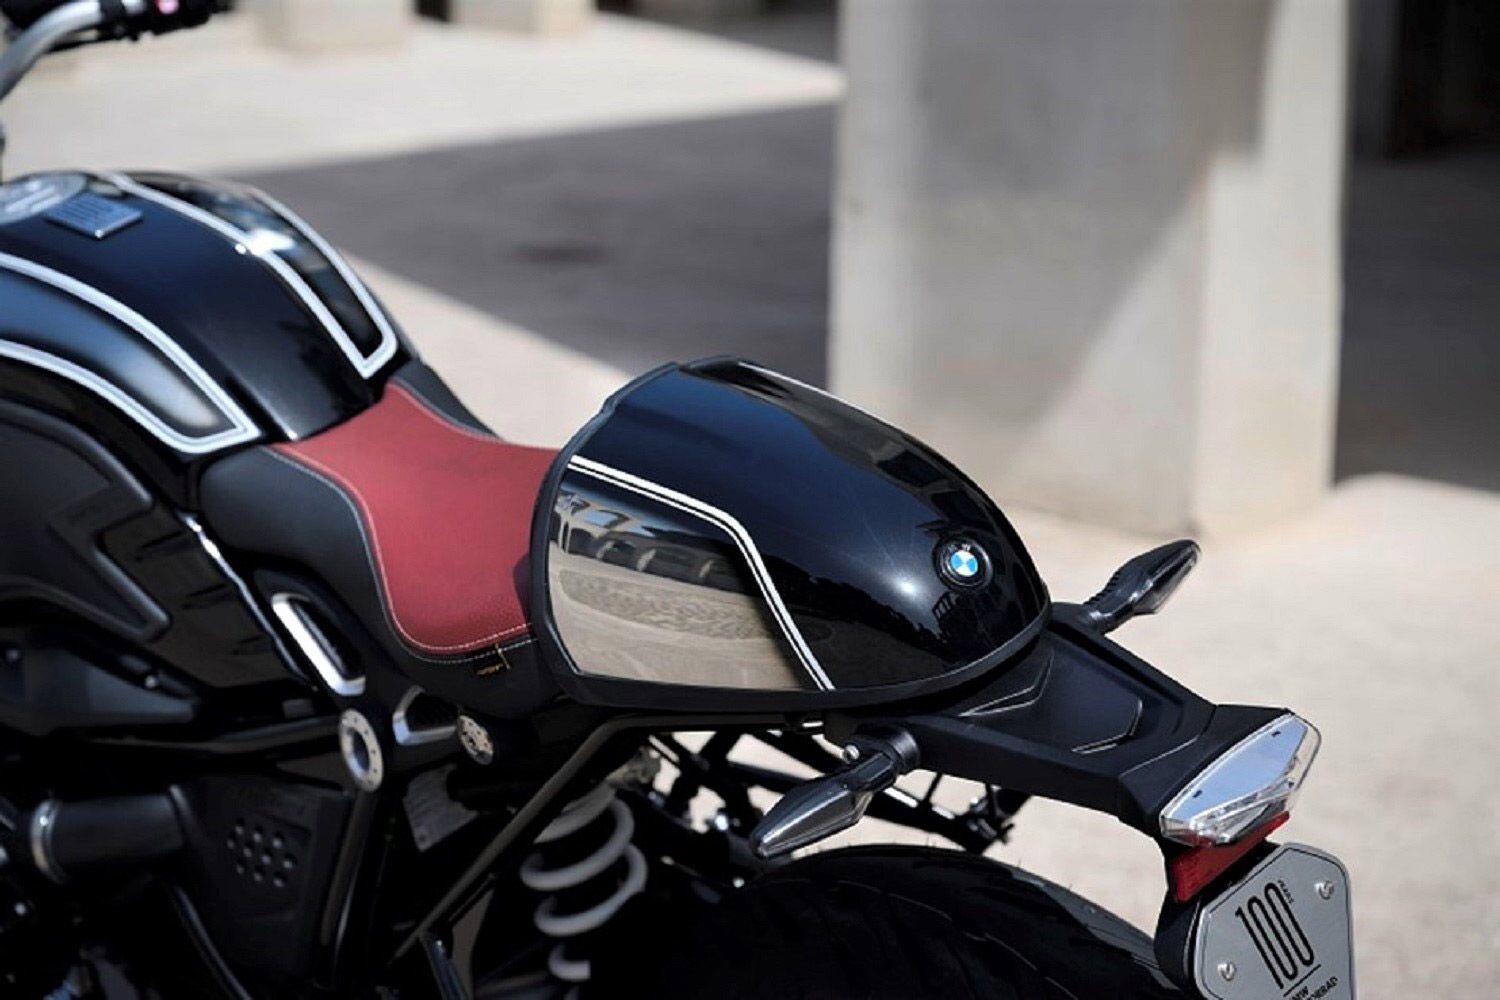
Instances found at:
x=1078 y=719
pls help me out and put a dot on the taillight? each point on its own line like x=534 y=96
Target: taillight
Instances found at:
x=1192 y=870
x=1254 y=781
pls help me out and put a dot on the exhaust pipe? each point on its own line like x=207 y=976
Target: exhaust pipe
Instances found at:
x=70 y=840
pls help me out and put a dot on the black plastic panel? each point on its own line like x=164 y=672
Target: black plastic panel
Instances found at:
x=84 y=536
x=1080 y=720
x=261 y=857
x=46 y=686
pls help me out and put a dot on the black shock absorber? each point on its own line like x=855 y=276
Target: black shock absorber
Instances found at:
x=587 y=868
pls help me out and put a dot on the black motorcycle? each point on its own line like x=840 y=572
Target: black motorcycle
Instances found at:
x=312 y=686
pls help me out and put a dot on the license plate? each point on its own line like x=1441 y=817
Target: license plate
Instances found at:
x=1281 y=933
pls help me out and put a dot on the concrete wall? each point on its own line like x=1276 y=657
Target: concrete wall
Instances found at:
x=1091 y=251
x=530 y=16
x=321 y=26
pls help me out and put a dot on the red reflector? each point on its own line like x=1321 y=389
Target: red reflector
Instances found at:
x=1192 y=871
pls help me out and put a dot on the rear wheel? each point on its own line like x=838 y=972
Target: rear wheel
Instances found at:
x=886 y=923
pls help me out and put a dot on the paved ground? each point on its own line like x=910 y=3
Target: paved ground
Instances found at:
x=514 y=201
x=635 y=245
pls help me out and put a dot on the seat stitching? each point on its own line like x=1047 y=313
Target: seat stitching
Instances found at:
x=369 y=550
x=374 y=539
x=366 y=525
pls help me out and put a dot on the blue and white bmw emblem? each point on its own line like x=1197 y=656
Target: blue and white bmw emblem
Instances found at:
x=963 y=563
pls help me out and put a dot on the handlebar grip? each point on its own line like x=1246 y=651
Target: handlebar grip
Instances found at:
x=119 y=17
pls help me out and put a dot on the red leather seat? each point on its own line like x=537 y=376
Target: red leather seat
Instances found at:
x=445 y=514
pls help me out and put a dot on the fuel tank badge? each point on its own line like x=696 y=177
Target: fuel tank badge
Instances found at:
x=31 y=196
x=963 y=563
x=93 y=216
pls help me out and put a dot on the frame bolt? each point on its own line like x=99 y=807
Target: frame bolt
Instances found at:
x=475 y=740
x=1324 y=890
x=1227 y=970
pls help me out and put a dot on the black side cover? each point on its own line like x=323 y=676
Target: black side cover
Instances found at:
x=83 y=535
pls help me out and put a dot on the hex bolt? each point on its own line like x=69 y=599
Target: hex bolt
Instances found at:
x=1227 y=970
x=1324 y=890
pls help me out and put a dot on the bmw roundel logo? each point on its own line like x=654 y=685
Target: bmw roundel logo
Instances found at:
x=963 y=563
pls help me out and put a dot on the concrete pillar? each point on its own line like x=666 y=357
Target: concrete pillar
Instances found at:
x=317 y=26
x=1091 y=251
x=698 y=11
x=542 y=17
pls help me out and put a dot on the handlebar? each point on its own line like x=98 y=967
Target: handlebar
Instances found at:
x=43 y=25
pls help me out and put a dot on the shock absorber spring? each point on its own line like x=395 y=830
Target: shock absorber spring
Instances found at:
x=588 y=868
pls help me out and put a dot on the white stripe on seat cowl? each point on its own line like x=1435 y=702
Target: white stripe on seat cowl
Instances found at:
x=741 y=538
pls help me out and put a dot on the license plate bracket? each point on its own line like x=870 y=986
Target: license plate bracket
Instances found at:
x=1283 y=931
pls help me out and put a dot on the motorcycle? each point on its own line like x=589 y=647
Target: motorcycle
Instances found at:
x=313 y=686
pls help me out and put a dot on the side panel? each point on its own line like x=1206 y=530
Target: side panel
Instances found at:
x=84 y=536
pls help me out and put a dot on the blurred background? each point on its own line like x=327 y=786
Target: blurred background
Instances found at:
x=1144 y=268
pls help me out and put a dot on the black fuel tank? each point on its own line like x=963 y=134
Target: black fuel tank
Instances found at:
x=180 y=318
x=150 y=324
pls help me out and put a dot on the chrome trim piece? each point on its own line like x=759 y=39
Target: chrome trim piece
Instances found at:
x=736 y=531
x=360 y=749
x=242 y=429
x=366 y=366
x=409 y=737
x=216 y=555
x=39 y=836
x=283 y=606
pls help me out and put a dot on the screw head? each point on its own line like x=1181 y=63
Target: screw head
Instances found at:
x=850 y=753
x=1227 y=970
x=1324 y=890
x=475 y=740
